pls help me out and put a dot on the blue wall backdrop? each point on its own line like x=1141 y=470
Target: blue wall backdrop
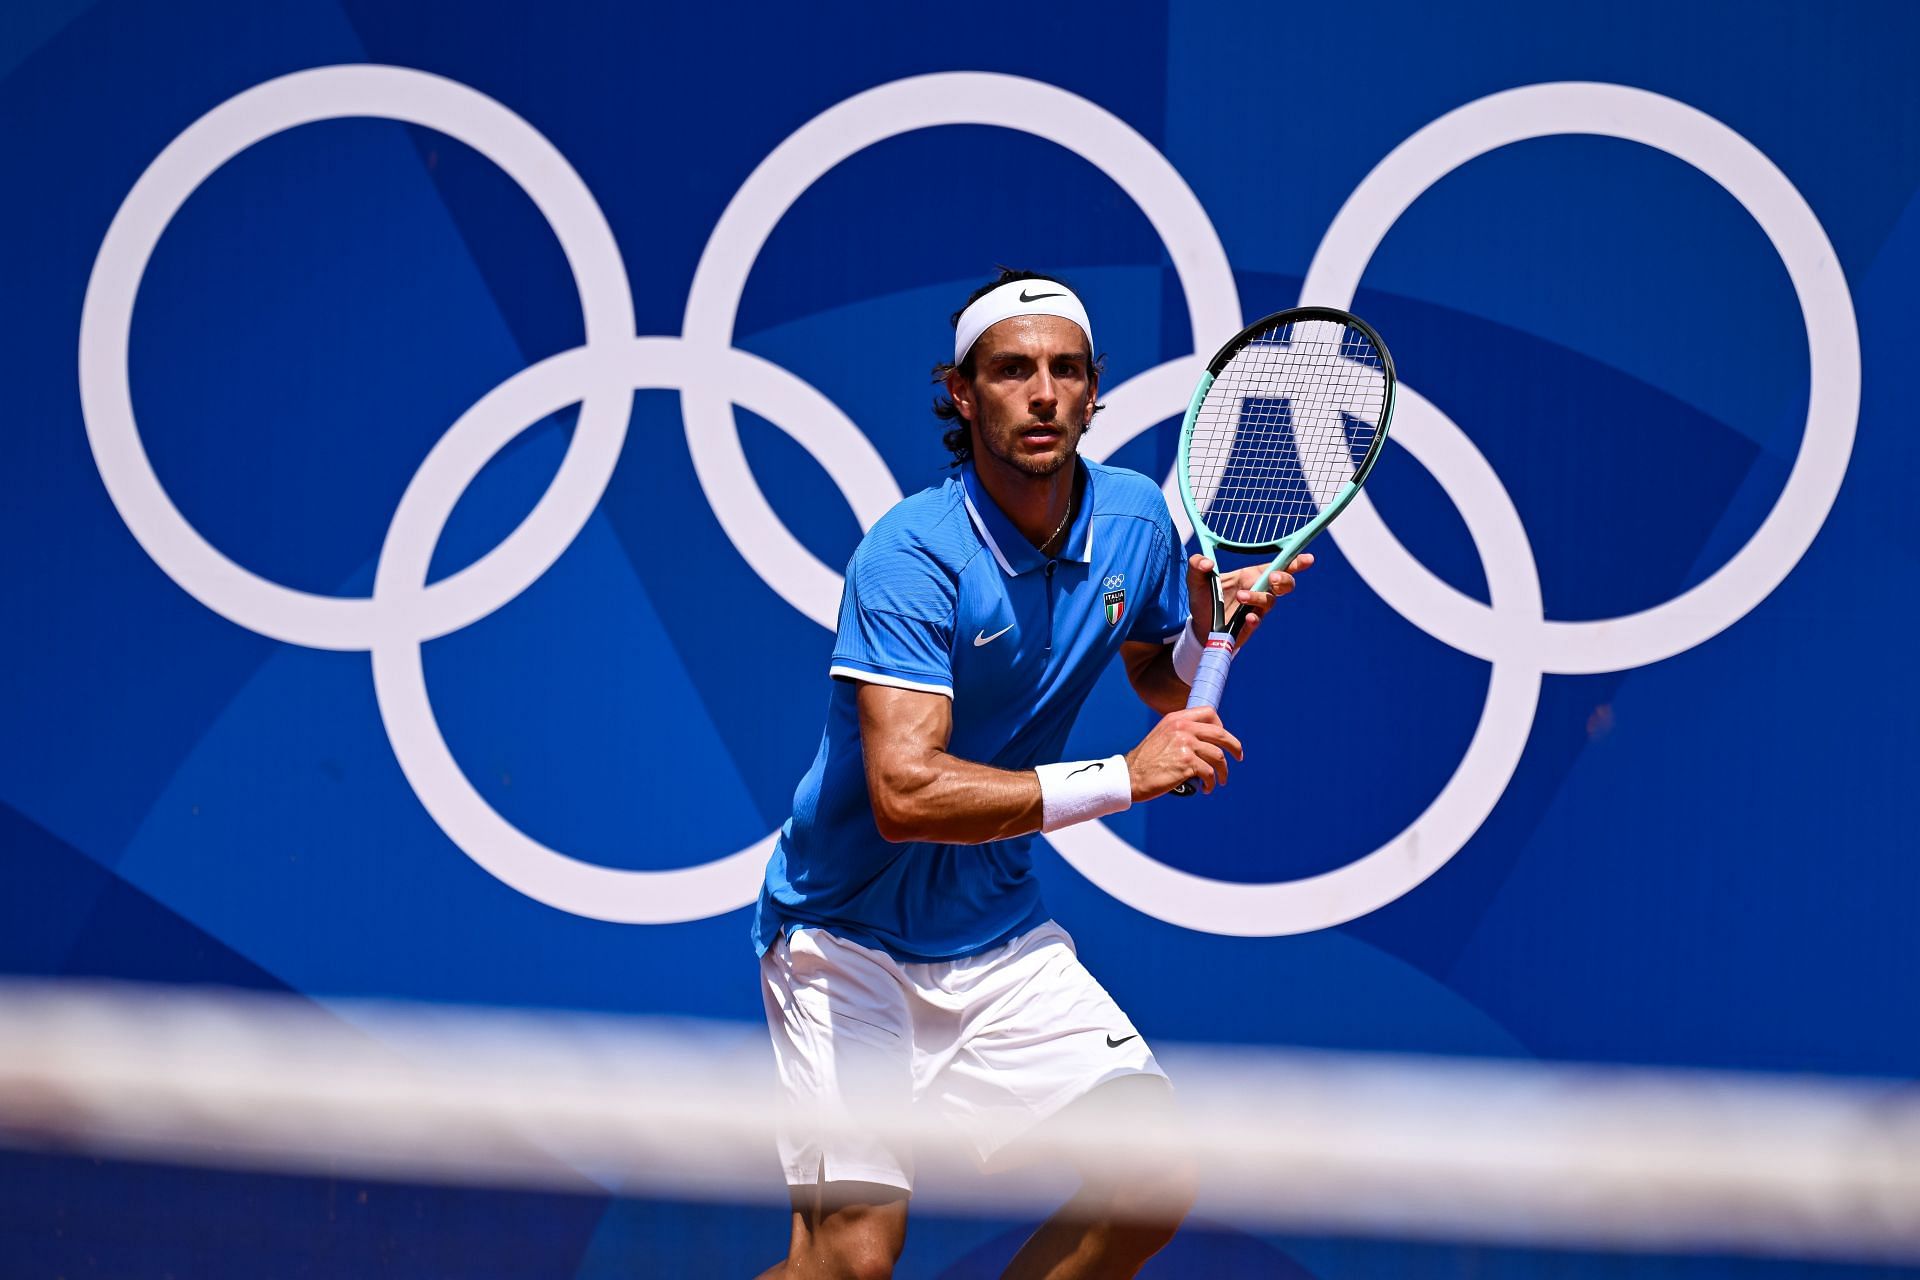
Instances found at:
x=1617 y=725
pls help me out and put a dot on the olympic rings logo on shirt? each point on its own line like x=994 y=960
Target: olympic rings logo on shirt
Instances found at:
x=1511 y=633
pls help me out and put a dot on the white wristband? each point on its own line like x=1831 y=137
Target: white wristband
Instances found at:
x=1075 y=790
x=1186 y=656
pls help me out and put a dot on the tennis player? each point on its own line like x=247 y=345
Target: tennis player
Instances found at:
x=905 y=953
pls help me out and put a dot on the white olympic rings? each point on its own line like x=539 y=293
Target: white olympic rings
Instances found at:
x=712 y=375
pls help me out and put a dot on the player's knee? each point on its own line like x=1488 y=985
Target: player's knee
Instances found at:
x=866 y=1258
x=1141 y=1215
x=1166 y=1198
x=864 y=1246
x=842 y=1260
x=1180 y=1184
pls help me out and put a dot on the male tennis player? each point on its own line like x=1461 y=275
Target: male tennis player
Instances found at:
x=905 y=952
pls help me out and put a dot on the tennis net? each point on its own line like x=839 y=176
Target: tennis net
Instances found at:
x=1507 y=1152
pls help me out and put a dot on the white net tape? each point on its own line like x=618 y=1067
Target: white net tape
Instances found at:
x=1439 y=1148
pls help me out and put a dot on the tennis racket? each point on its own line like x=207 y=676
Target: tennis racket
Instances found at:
x=1282 y=431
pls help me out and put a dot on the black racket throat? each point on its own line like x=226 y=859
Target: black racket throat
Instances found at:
x=1233 y=623
x=1230 y=617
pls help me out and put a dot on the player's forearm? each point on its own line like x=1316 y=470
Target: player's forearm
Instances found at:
x=940 y=798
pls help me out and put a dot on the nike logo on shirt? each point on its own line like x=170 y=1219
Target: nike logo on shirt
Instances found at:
x=1115 y=1044
x=982 y=637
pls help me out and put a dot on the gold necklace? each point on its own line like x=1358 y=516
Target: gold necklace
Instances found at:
x=1058 y=529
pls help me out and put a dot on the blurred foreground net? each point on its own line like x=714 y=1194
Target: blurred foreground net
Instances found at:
x=1442 y=1149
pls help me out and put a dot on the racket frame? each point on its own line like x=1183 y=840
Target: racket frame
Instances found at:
x=1291 y=545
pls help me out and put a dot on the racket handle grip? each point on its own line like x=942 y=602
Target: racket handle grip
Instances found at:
x=1209 y=682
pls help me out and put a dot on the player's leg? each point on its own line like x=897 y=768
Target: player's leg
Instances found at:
x=844 y=1231
x=1120 y=1217
x=1044 y=1038
x=842 y=1042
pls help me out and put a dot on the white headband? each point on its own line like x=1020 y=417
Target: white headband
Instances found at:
x=1020 y=298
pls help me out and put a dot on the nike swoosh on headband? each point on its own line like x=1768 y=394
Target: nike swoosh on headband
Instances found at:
x=1016 y=299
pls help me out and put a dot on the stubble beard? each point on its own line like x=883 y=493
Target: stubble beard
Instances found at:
x=1027 y=464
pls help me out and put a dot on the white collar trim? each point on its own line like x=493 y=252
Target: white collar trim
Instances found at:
x=980 y=526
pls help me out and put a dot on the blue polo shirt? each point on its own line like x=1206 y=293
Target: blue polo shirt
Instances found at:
x=945 y=595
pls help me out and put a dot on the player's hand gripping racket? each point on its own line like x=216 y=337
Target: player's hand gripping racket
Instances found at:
x=1286 y=423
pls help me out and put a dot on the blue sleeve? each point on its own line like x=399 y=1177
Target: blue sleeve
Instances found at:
x=1164 y=610
x=896 y=621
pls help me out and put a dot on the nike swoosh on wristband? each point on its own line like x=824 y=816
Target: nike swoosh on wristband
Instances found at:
x=982 y=637
x=1097 y=764
x=1036 y=297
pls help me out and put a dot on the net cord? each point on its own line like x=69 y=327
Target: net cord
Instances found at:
x=1506 y=1152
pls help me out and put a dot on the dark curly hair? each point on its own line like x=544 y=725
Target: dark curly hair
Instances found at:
x=959 y=435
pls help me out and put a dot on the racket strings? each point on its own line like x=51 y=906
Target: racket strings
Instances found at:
x=1288 y=422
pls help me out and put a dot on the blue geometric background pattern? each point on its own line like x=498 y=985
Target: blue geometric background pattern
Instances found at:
x=394 y=613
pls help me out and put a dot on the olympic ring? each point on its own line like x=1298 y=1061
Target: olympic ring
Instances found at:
x=400 y=686
x=712 y=375
x=1833 y=343
x=1513 y=632
x=106 y=318
x=1404 y=862
x=906 y=106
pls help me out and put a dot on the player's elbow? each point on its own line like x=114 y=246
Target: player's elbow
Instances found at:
x=1150 y=672
x=896 y=817
x=899 y=812
x=893 y=828
x=1140 y=660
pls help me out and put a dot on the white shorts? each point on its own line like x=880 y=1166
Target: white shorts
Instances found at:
x=997 y=1042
